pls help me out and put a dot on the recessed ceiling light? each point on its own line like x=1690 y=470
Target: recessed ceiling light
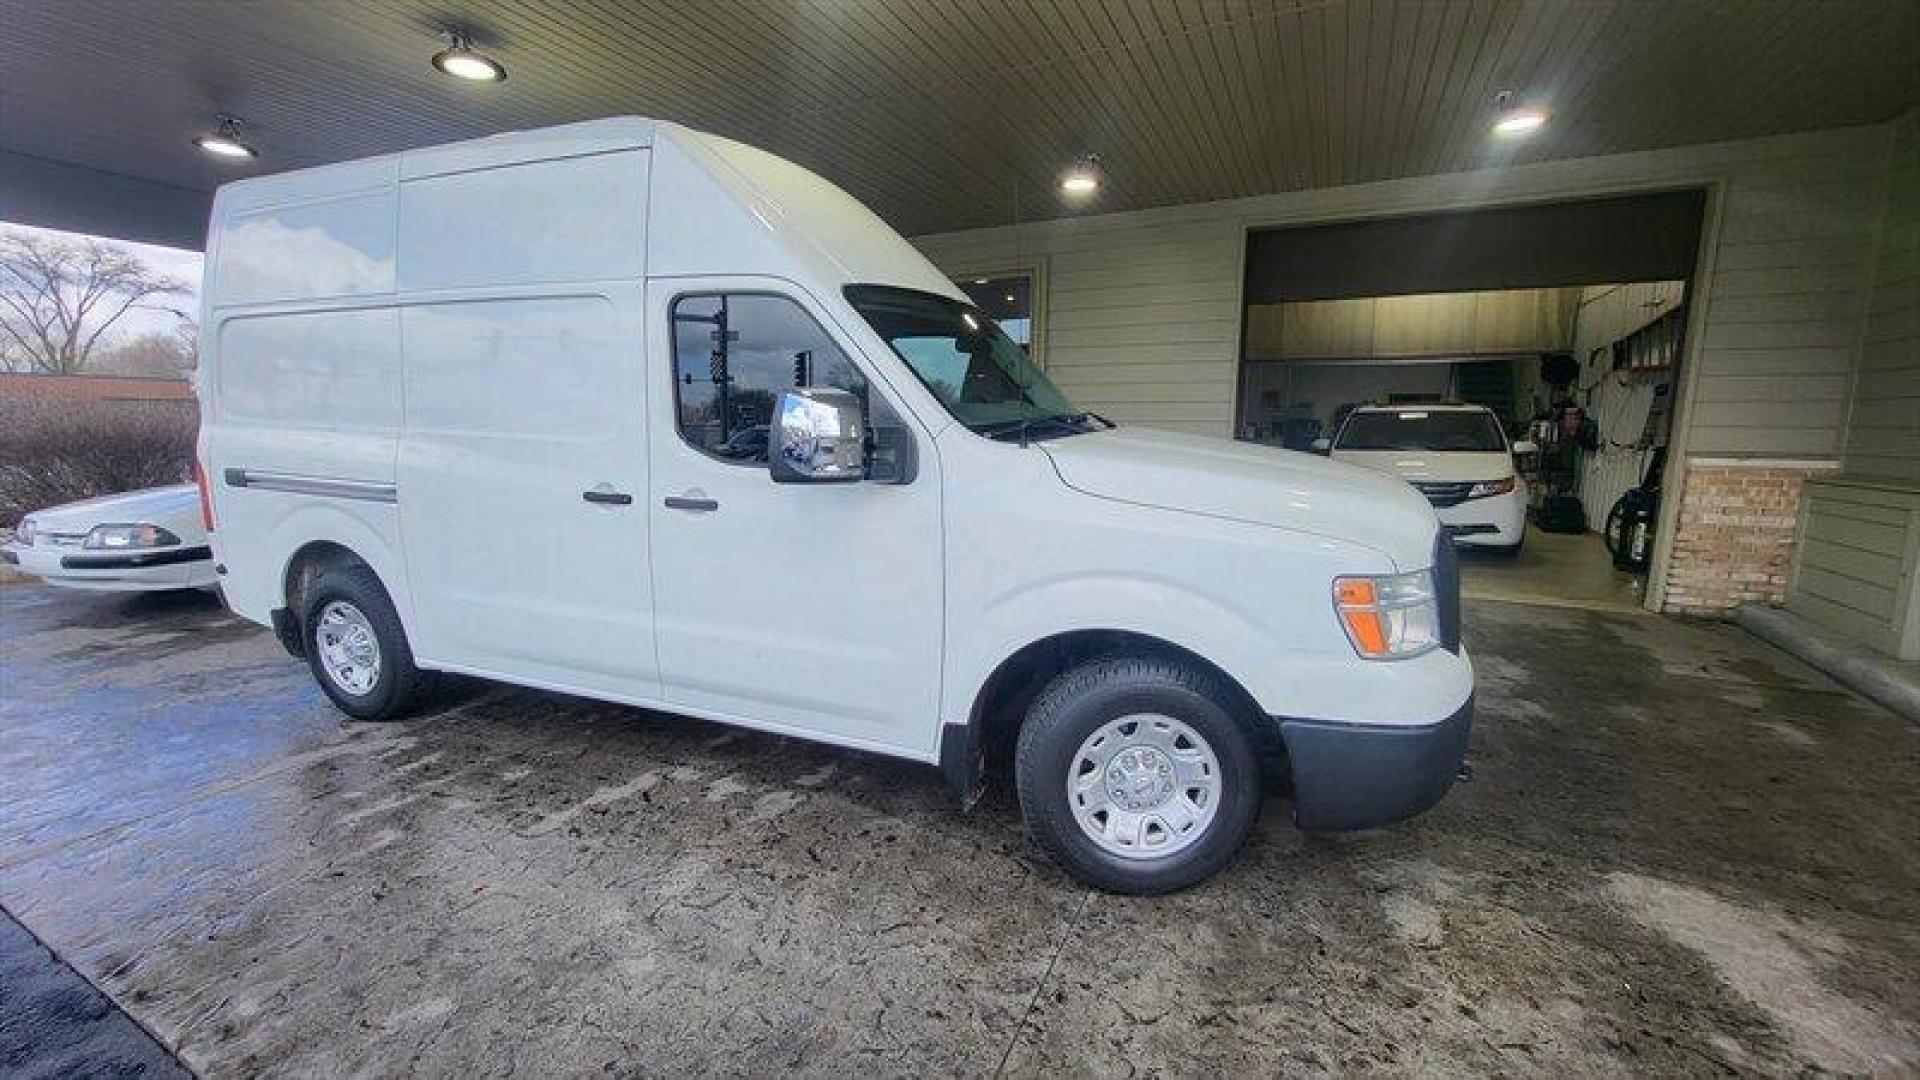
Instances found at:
x=1009 y=298
x=979 y=281
x=462 y=61
x=224 y=140
x=1083 y=179
x=1520 y=122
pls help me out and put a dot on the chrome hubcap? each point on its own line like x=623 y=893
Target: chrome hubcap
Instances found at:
x=349 y=652
x=1144 y=786
x=1139 y=778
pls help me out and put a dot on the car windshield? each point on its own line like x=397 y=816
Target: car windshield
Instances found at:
x=1457 y=430
x=985 y=380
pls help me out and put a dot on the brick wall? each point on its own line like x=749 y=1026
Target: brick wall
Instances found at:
x=15 y=384
x=1734 y=543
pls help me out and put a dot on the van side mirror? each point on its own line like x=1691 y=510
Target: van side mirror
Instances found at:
x=1322 y=447
x=1526 y=446
x=818 y=436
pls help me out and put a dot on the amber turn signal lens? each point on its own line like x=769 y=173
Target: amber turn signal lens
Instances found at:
x=1353 y=592
x=1368 y=635
x=1363 y=626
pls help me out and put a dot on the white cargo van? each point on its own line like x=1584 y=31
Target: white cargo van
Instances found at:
x=634 y=412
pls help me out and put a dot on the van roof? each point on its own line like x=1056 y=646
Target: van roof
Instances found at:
x=777 y=211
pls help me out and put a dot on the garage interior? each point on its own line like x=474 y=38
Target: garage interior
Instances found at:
x=1484 y=308
x=1684 y=851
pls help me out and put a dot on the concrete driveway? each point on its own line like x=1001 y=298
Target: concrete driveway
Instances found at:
x=1683 y=853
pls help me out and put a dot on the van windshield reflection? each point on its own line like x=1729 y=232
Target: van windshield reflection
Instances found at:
x=978 y=373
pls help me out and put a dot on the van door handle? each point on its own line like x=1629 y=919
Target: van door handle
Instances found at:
x=606 y=497
x=682 y=502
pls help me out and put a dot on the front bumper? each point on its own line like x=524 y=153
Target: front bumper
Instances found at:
x=1493 y=521
x=152 y=570
x=1357 y=776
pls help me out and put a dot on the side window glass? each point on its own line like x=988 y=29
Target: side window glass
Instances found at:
x=732 y=353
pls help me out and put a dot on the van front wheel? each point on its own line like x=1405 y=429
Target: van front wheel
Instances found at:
x=1135 y=777
x=356 y=647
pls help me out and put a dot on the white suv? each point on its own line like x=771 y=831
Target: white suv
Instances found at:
x=1455 y=455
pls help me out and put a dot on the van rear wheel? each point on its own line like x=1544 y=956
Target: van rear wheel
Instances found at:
x=357 y=649
x=1135 y=776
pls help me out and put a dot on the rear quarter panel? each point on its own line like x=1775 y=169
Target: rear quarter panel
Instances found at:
x=300 y=370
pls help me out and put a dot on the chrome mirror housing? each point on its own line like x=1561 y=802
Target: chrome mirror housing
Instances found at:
x=819 y=437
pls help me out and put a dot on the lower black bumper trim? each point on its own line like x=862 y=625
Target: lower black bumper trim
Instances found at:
x=1358 y=776
x=138 y=560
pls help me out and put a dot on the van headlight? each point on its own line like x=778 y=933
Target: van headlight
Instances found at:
x=122 y=537
x=1491 y=487
x=23 y=534
x=1389 y=616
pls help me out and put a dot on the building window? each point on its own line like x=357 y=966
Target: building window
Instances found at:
x=732 y=353
x=1008 y=299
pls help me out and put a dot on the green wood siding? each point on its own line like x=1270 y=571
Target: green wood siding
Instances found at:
x=1149 y=300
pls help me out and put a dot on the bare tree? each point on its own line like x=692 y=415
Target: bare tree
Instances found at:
x=156 y=354
x=12 y=356
x=58 y=296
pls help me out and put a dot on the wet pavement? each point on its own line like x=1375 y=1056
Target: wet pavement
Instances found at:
x=1682 y=853
x=54 y=1026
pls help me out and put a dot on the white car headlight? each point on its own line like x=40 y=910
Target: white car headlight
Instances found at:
x=1491 y=487
x=124 y=537
x=1389 y=616
x=23 y=534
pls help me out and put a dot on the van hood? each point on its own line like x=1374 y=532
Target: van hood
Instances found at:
x=166 y=506
x=1246 y=482
x=1433 y=466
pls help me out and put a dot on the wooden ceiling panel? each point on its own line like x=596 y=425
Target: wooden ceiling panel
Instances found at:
x=946 y=114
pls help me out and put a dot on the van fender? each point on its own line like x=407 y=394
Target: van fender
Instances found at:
x=349 y=526
x=1150 y=607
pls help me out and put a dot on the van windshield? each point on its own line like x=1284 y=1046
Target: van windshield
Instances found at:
x=1455 y=430
x=985 y=380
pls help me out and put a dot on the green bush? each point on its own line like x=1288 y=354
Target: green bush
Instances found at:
x=55 y=451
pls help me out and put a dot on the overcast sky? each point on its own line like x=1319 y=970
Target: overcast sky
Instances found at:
x=173 y=262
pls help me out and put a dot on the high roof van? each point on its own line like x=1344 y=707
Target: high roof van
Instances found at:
x=633 y=412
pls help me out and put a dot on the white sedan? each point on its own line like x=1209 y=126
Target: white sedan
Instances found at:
x=1456 y=455
x=141 y=541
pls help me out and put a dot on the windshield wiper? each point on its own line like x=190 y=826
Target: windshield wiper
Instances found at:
x=1024 y=428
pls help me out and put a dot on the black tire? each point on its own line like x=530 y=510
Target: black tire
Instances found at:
x=1079 y=702
x=400 y=686
x=1612 y=533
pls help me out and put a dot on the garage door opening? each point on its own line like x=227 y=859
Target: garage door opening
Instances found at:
x=1539 y=345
